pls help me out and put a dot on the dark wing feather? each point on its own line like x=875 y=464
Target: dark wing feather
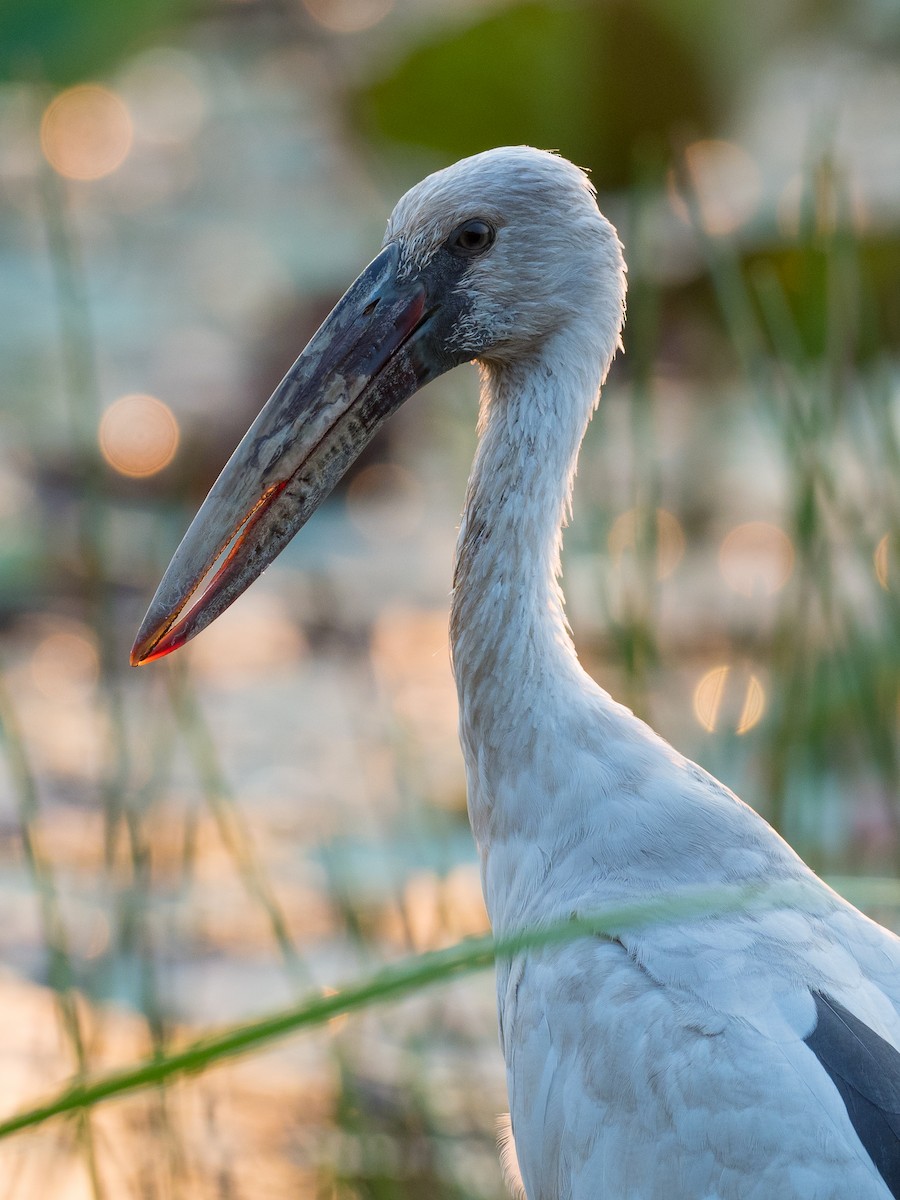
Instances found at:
x=865 y=1069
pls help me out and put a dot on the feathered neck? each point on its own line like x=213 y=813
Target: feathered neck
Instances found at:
x=512 y=649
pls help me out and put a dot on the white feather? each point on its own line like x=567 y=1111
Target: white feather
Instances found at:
x=509 y=1162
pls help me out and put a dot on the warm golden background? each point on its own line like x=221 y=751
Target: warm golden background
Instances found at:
x=185 y=191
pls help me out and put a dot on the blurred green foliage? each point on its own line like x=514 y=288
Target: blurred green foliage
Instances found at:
x=62 y=42
x=568 y=76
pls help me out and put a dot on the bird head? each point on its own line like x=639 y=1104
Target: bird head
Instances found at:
x=513 y=250
x=486 y=259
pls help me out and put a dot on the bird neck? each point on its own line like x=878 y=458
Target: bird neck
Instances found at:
x=513 y=655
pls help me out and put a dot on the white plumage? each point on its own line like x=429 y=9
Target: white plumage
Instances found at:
x=739 y=1056
x=670 y=1062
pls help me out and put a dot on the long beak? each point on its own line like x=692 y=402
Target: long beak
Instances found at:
x=367 y=358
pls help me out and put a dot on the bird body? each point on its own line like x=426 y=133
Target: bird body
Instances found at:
x=744 y=1054
x=669 y=1062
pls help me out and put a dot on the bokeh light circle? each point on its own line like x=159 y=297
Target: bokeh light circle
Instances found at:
x=385 y=502
x=65 y=664
x=138 y=435
x=625 y=533
x=348 y=16
x=167 y=96
x=756 y=558
x=724 y=697
x=86 y=132
x=726 y=184
x=882 y=561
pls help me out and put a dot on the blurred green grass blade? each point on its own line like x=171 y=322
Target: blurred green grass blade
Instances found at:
x=226 y=814
x=393 y=982
x=60 y=969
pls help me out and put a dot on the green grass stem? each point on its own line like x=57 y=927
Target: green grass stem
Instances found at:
x=391 y=983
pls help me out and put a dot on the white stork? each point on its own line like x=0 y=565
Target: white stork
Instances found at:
x=739 y=1055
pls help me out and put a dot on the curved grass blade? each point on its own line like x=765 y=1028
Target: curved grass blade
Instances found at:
x=391 y=983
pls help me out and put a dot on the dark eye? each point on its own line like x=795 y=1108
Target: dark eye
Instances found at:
x=474 y=237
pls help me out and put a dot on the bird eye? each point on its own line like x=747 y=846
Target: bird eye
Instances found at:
x=474 y=237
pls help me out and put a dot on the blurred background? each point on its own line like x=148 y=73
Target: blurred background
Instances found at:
x=185 y=190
